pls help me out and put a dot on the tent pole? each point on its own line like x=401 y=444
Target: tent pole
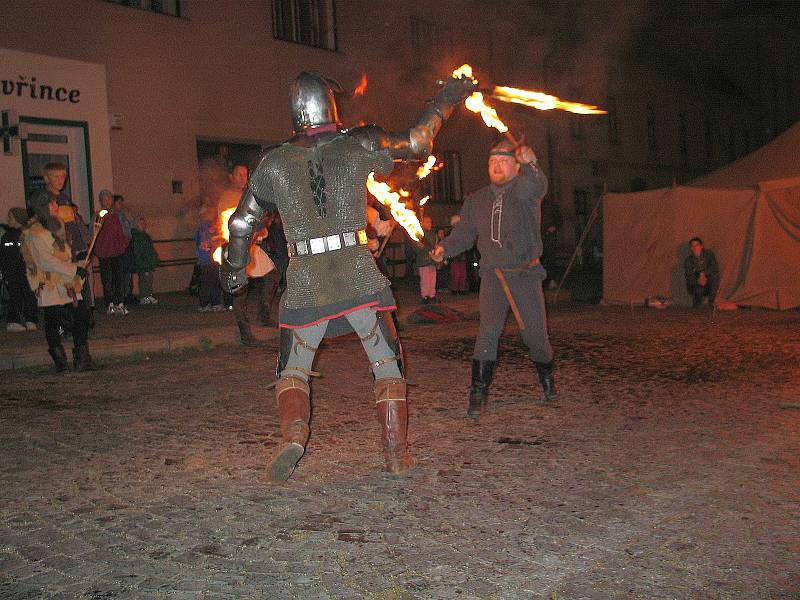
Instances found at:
x=582 y=239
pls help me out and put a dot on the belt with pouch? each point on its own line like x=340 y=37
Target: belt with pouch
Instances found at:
x=327 y=243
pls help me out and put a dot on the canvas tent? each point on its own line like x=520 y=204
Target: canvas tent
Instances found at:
x=748 y=213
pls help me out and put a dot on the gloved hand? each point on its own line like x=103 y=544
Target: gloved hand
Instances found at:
x=80 y=272
x=232 y=280
x=456 y=90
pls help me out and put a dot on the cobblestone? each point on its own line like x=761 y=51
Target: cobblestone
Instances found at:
x=667 y=469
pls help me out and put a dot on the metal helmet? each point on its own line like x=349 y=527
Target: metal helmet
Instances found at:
x=312 y=101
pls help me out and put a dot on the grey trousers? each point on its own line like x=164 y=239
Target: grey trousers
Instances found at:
x=365 y=323
x=526 y=288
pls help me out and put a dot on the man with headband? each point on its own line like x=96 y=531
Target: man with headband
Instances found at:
x=505 y=219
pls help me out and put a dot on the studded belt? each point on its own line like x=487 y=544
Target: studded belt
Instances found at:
x=327 y=243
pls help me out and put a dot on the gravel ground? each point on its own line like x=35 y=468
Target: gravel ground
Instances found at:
x=669 y=468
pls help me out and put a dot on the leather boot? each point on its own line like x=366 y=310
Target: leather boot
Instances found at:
x=59 y=358
x=81 y=360
x=246 y=334
x=390 y=398
x=482 y=372
x=294 y=409
x=545 y=371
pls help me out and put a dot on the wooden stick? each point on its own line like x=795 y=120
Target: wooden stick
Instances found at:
x=507 y=291
x=383 y=243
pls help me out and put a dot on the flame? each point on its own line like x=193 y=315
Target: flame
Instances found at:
x=542 y=101
x=226 y=234
x=391 y=199
x=426 y=169
x=464 y=71
x=476 y=104
x=423 y=200
x=361 y=87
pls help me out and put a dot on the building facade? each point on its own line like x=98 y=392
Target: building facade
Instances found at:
x=132 y=93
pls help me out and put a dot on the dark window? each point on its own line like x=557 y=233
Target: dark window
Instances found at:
x=683 y=141
x=173 y=8
x=429 y=39
x=652 y=140
x=611 y=107
x=709 y=131
x=444 y=185
x=309 y=22
x=731 y=143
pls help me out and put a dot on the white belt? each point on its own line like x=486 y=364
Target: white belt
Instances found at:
x=327 y=243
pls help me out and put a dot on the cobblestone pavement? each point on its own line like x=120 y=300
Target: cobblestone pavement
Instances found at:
x=668 y=469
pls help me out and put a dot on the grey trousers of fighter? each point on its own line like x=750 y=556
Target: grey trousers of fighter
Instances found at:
x=382 y=357
x=526 y=288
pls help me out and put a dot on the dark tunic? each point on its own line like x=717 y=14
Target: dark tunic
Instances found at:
x=520 y=239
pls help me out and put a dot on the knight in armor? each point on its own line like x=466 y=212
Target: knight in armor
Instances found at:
x=317 y=182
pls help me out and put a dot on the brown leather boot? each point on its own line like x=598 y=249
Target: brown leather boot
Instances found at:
x=390 y=396
x=294 y=408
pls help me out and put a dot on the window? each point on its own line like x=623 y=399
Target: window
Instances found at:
x=429 y=39
x=580 y=201
x=444 y=185
x=709 y=131
x=611 y=107
x=309 y=22
x=173 y=8
x=683 y=141
x=652 y=140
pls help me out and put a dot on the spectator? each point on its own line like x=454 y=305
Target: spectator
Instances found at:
x=145 y=259
x=56 y=278
x=426 y=268
x=702 y=273
x=110 y=249
x=128 y=259
x=274 y=244
x=206 y=243
x=23 y=313
x=551 y=223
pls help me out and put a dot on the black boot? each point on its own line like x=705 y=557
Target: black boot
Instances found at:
x=246 y=334
x=81 y=360
x=59 y=358
x=545 y=371
x=482 y=372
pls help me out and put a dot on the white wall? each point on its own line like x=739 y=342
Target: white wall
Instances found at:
x=86 y=81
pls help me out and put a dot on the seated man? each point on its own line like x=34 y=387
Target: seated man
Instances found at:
x=702 y=273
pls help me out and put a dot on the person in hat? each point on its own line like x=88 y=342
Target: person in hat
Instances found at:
x=56 y=281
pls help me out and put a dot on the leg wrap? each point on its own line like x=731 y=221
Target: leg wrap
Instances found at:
x=392 y=410
x=297 y=349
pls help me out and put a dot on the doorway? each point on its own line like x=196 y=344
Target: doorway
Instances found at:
x=67 y=142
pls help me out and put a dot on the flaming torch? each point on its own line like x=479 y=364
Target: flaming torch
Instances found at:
x=226 y=234
x=542 y=101
x=361 y=87
x=537 y=100
x=405 y=217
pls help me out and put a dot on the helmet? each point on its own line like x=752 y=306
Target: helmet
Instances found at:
x=312 y=101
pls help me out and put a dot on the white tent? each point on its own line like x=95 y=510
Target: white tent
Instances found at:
x=748 y=213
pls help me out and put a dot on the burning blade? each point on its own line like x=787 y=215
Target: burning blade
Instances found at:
x=391 y=199
x=542 y=101
x=226 y=234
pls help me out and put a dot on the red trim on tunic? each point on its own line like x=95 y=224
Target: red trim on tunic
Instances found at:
x=340 y=314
